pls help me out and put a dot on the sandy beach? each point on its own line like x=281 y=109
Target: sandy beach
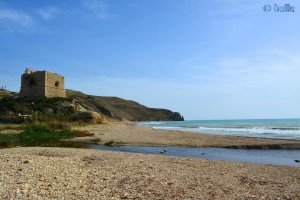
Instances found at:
x=64 y=173
x=128 y=133
x=61 y=173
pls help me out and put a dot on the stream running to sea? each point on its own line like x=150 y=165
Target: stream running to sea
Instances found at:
x=261 y=156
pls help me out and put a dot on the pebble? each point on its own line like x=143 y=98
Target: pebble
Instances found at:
x=63 y=174
x=26 y=162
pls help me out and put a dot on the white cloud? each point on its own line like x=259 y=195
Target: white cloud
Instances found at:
x=12 y=20
x=98 y=7
x=48 y=12
x=14 y=17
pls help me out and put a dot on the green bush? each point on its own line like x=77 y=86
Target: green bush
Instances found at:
x=95 y=140
x=109 y=143
x=42 y=134
x=8 y=140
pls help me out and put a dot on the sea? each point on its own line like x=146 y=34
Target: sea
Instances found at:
x=264 y=128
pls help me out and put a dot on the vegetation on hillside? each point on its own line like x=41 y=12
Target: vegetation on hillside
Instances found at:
x=44 y=122
x=67 y=109
x=45 y=109
x=5 y=93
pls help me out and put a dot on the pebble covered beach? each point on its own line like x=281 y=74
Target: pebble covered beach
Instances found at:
x=63 y=173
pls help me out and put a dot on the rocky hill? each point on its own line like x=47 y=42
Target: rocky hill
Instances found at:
x=77 y=102
x=123 y=109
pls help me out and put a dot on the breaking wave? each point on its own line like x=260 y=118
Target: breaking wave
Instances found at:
x=284 y=129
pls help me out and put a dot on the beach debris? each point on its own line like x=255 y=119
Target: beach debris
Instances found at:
x=297 y=161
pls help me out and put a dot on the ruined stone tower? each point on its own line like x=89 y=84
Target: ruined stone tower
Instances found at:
x=38 y=84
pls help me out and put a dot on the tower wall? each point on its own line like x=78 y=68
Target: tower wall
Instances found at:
x=39 y=84
x=33 y=85
x=55 y=85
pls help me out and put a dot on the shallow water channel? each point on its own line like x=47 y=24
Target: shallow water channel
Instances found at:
x=274 y=157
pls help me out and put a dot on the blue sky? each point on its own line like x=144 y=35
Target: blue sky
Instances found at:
x=221 y=59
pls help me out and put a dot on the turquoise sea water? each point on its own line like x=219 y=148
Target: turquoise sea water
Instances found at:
x=265 y=128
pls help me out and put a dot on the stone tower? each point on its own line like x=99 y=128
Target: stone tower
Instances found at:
x=38 y=84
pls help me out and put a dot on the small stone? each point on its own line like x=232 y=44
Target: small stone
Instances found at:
x=169 y=183
x=26 y=162
x=18 y=192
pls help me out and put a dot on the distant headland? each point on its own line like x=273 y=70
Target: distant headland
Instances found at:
x=43 y=92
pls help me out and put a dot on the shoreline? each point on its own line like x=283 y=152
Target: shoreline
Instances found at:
x=133 y=134
x=68 y=173
x=47 y=172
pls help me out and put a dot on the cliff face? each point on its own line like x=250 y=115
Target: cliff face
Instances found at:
x=123 y=109
x=76 y=102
